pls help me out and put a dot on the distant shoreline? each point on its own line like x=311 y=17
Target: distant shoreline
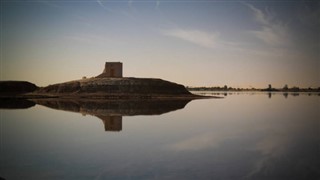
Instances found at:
x=223 y=89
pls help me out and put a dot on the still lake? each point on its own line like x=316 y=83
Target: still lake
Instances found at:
x=241 y=136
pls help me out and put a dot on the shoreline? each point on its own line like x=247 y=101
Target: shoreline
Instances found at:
x=100 y=96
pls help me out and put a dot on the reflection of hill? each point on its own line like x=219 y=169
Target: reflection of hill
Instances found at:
x=111 y=111
x=112 y=107
x=9 y=103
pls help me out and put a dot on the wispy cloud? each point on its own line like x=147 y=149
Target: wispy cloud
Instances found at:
x=260 y=16
x=157 y=4
x=201 y=38
x=275 y=36
x=101 y=4
x=203 y=141
x=272 y=32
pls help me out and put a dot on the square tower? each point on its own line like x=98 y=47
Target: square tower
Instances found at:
x=112 y=69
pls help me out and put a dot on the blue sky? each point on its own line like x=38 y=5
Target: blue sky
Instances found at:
x=195 y=43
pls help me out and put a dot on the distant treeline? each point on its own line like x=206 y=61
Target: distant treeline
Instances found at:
x=270 y=88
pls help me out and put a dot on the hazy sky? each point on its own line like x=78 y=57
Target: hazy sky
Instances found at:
x=195 y=43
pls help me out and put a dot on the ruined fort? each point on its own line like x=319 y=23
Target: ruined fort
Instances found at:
x=111 y=84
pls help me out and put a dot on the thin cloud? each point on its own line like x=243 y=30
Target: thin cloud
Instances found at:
x=259 y=15
x=272 y=32
x=157 y=4
x=273 y=36
x=103 y=6
x=203 y=141
x=201 y=38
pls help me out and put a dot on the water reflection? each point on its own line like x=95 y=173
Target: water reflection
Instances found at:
x=111 y=123
x=8 y=103
x=111 y=111
x=246 y=136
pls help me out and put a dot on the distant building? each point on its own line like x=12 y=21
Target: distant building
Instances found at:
x=112 y=69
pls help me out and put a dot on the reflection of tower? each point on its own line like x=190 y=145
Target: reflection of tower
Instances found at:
x=111 y=123
x=111 y=111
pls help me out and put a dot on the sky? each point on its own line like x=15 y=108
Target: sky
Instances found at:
x=194 y=43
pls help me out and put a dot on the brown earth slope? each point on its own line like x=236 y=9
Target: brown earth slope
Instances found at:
x=116 y=87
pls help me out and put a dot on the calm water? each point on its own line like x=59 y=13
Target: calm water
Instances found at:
x=242 y=136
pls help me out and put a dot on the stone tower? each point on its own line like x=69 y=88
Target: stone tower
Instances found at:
x=112 y=69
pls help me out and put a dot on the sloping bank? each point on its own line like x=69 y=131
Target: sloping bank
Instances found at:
x=116 y=88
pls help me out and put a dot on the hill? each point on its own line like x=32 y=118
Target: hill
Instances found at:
x=116 y=88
